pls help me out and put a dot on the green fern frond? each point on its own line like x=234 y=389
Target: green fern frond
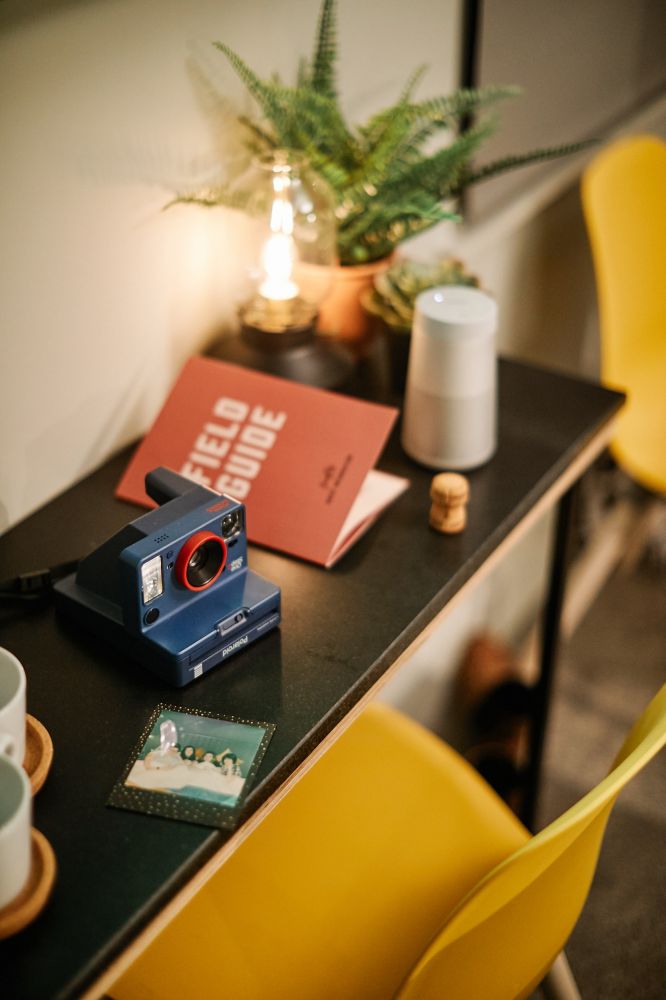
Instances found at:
x=323 y=60
x=377 y=217
x=386 y=150
x=333 y=173
x=410 y=126
x=266 y=94
x=300 y=116
x=318 y=120
x=376 y=126
x=506 y=163
x=302 y=73
x=450 y=109
x=440 y=173
x=412 y=82
x=212 y=198
x=386 y=228
x=435 y=173
x=265 y=138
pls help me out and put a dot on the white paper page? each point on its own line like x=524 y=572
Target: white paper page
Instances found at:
x=379 y=489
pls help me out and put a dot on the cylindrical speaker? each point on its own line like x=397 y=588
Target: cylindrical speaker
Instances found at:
x=450 y=413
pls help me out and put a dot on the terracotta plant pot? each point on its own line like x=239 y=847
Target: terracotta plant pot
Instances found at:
x=341 y=313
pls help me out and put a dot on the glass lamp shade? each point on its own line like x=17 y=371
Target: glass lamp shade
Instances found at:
x=293 y=241
x=291 y=213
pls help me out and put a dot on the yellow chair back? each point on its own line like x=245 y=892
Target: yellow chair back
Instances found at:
x=503 y=937
x=624 y=203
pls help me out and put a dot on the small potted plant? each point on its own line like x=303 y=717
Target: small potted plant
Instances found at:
x=390 y=178
x=390 y=303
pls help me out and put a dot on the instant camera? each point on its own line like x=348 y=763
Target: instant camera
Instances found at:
x=172 y=589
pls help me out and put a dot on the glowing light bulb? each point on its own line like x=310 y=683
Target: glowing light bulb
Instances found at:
x=293 y=226
x=277 y=260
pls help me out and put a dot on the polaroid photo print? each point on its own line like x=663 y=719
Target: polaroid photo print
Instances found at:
x=193 y=766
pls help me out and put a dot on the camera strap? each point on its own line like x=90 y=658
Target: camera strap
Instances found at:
x=35 y=585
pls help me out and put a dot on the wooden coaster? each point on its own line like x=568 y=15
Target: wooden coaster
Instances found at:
x=32 y=900
x=38 y=752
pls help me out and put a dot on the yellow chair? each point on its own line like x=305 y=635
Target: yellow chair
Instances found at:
x=390 y=869
x=624 y=202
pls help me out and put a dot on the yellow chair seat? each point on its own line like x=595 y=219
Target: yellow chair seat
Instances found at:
x=390 y=869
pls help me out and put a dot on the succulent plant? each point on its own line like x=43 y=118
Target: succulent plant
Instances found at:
x=394 y=293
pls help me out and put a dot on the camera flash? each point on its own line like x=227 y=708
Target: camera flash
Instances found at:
x=151 y=579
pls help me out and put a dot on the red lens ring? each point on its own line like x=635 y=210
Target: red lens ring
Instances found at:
x=188 y=550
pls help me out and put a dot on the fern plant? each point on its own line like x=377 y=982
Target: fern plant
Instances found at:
x=386 y=186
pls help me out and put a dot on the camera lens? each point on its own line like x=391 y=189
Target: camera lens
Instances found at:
x=198 y=560
x=201 y=560
x=205 y=563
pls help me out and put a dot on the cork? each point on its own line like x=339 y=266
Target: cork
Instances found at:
x=449 y=493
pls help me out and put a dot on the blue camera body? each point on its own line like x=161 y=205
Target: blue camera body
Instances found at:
x=172 y=588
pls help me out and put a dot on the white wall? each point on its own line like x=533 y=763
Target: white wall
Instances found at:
x=103 y=295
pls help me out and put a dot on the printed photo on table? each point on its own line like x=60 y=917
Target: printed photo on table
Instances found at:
x=192 y=766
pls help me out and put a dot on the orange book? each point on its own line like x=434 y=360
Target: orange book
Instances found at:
x=301 y=459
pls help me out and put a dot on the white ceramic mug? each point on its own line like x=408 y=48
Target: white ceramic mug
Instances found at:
x=15 y=827
x=12 y=706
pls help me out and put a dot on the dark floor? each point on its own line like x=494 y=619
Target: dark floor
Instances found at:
x=606 y=674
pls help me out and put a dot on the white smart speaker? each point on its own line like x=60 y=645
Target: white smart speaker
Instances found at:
x=450 y=412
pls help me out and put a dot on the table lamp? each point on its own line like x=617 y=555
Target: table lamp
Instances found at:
x=293 y=246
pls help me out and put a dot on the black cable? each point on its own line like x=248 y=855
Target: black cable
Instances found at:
x=36 y=585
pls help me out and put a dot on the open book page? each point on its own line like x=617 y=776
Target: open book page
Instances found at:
x=379 y=489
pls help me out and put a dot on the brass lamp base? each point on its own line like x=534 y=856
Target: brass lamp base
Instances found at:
x=296 y=353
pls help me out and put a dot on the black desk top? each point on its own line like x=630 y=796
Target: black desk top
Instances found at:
x=342 y=629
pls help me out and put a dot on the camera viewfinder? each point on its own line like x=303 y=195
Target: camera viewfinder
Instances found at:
x=232 y=524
